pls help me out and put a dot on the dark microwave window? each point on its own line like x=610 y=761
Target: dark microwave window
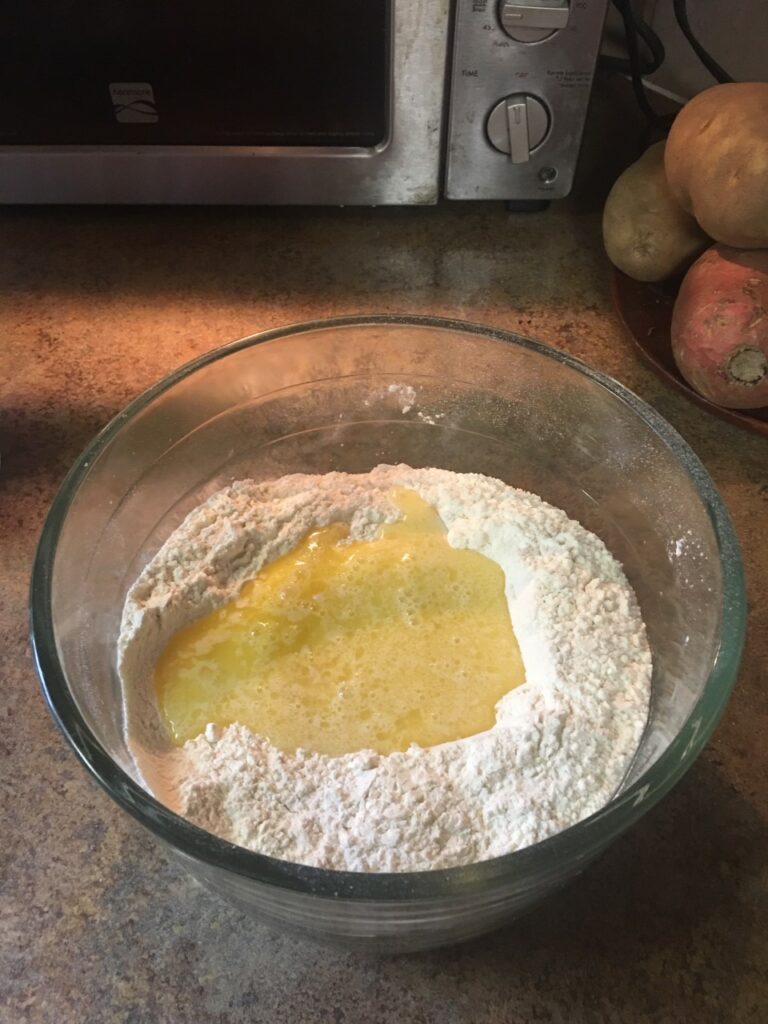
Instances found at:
x=230 y=72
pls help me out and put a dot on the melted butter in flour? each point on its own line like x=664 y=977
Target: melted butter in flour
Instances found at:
x=338 y=647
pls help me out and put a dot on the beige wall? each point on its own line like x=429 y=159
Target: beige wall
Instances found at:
x=735 y=32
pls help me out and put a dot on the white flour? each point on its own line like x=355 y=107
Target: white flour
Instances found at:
x=562 y=741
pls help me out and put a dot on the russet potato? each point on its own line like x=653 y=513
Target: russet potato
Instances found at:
x=716 y=162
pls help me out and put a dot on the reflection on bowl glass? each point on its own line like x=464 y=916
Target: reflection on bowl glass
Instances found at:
x=348 y=394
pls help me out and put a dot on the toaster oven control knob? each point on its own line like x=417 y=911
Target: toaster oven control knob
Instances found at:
x=517 y=125
x=530 y=21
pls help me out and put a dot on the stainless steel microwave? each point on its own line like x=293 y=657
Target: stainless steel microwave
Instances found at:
x=249 y=101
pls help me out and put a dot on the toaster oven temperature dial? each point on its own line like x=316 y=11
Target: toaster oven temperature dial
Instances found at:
x=517 y=125
x=530 y=21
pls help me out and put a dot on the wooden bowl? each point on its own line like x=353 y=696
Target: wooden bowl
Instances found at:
x=645 y=310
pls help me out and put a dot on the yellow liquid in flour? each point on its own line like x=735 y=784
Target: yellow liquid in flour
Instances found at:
x=343 y=647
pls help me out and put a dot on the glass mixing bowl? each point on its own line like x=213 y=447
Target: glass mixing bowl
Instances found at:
x=348 y=394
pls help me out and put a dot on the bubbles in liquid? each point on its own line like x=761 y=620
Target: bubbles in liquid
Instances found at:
x=339 y=647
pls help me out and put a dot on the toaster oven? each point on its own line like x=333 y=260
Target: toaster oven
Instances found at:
x=343 y=102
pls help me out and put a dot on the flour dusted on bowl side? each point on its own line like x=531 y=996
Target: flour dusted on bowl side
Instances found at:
x=561 y=744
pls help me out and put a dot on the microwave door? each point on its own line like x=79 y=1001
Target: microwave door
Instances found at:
x=235 y=102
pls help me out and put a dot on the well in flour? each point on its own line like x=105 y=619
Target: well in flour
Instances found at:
x=560 y=745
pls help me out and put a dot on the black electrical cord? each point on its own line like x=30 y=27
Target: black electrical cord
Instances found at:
x=624 y=7
x=653 y=43
x=681 y=13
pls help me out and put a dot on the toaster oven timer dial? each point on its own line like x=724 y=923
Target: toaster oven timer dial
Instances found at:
x=517 y=125
x=530 y=21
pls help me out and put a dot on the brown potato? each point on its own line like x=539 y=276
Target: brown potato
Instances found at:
x=716 y=162
x=645 y=232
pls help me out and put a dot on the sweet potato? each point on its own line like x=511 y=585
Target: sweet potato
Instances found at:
x=645 y=232
x=716 y=162
x=720 y=327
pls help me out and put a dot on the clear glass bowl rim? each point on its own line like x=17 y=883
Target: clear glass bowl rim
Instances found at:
x=573 y=845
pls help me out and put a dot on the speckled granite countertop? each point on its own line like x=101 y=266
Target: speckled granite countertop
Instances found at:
x=95 y=305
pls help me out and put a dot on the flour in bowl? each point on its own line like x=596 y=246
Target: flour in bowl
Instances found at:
x=561 y=743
